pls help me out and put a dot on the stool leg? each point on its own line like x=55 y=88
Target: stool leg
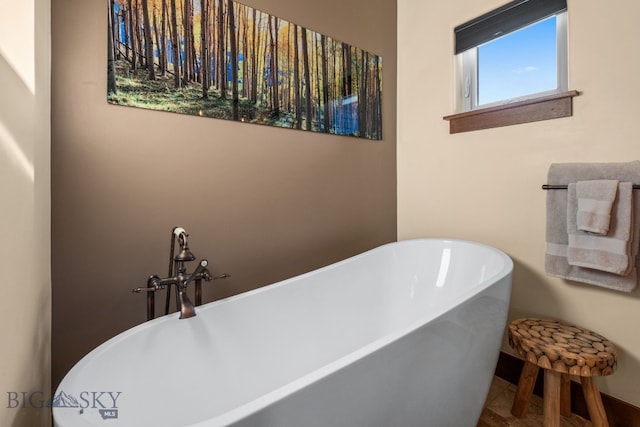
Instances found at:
x=594 y=402
x=525 y=388
x=565 y=395
x=552 y=380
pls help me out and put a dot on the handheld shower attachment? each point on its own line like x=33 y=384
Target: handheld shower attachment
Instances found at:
x=184 y=254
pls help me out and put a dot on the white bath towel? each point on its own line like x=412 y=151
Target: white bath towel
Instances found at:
x=595 y=200
x=556 y=231
x=611 y=253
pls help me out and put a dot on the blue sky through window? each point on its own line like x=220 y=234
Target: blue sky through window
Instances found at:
x=518 y=64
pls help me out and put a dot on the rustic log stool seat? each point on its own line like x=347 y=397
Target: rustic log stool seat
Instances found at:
x=561 y=349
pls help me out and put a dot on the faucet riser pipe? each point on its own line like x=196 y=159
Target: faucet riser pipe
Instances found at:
x=198 y=289
x=151 y=305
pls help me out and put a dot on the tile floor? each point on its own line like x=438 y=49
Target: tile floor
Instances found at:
x=497 y=409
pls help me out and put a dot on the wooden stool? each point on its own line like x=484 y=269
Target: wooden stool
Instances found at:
x=561 y=350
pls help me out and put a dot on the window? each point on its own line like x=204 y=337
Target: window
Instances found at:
x=515 y=52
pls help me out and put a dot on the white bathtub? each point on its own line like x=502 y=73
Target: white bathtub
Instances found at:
x=406 y=334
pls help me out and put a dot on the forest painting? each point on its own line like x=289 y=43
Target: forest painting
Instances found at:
x=222 y=59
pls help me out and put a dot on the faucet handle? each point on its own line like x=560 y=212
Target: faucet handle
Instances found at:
x=153 y=284
x=149 y=289
x=201 y=271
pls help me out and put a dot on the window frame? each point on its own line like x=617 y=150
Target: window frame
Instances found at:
x=466 y=71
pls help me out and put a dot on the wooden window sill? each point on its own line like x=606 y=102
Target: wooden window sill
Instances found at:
x=531 y=110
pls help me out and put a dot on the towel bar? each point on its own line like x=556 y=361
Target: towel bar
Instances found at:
x=564 y=187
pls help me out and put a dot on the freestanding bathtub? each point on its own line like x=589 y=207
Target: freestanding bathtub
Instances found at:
x=407 y=334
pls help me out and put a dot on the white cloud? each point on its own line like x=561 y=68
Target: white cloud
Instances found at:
x=527 y=69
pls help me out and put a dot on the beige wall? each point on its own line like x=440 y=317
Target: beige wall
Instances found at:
x=261 y=203
x=485 y=185
x=25 y=314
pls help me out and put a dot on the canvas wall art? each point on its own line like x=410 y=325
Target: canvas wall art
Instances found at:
x=225 y=60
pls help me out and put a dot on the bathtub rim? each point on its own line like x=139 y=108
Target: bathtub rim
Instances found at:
x=255 y=405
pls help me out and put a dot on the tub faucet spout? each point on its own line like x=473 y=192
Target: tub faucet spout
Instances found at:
x=186 y=306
